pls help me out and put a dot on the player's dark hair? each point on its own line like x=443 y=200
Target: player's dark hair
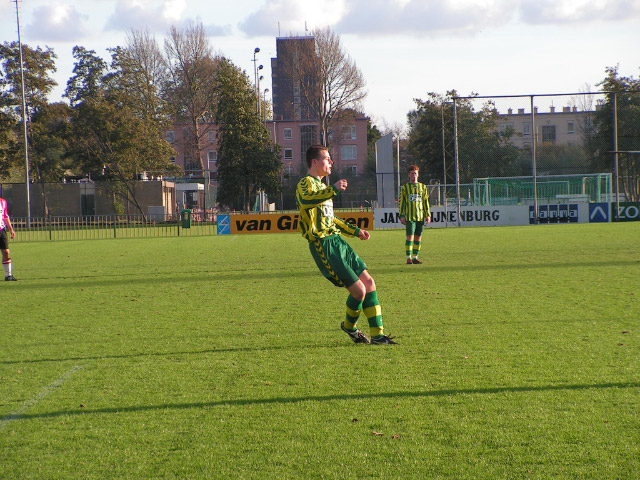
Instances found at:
x=412 y=168
x=314 y=152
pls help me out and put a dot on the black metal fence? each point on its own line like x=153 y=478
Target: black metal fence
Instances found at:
x=97 y=227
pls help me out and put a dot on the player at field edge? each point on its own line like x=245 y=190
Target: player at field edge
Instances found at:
x=5 y=223
x=335 y=258
x=414 y=213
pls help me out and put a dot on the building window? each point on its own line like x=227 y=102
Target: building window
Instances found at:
x=172 y=159
x=526 y=128
x=351 y=170
x=308 y=137
x=349 y=132
x=211 y=136
x=348 y=152
x=287 y=134
x=549 y=133
x=503 y=128
x=213 y=158
x=171 y=136
x=296 y=100
x=296 y=90
x=571 y=128
x=288 y=154
x=288 y=171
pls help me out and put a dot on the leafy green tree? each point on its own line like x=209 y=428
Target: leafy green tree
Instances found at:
x=482 y=150
x=38 y=66
x=113 y=137
x=627 y=98
x=248 y=160
x=87 y=82
x=114 y=144
x=373 y=135
x=50 y=132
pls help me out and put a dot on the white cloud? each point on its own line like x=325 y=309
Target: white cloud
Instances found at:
x=423 y=17
x=455 y=17
x=292 y=16
x=173 y=9
x=578 y=11
x=130 y=14
x=155 y=16
x=57 y=22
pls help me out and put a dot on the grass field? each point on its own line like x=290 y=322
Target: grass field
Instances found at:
x=222 y=357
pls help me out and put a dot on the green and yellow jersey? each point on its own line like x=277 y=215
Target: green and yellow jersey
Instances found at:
x=315 y=203
x=414 y=202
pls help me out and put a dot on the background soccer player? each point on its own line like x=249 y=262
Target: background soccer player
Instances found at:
x=5 y=223
x=333 y=255
x=414 y=213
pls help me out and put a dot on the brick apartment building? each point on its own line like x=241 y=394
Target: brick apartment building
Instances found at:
x=295 y=127
x=181 y=140
x=566 y=127
x=348 y=144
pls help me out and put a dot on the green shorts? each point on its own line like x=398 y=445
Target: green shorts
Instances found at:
x=337 y=261
x=414 y=228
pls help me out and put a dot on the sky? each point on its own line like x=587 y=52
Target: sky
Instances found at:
x=404 y=48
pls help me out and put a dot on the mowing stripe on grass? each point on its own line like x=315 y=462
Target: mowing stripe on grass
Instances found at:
x=42 y=394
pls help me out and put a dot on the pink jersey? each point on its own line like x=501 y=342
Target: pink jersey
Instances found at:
x=4 y=213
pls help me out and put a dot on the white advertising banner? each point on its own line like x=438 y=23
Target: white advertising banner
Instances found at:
x=491 y=216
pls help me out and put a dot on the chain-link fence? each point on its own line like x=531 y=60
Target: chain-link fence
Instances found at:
x=530 y=150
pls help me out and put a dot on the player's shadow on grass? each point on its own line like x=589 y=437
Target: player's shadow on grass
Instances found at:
x=325 y=398
x=179 y=354
x=106 y=280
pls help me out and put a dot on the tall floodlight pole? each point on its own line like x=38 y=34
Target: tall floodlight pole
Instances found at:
x=615 y=149
x=398 y=165
x=444 y=167
x=455 y=160
x=264 y=101
x=24 y=121
x=534 y=168
x=260 y=77
x=255 y=78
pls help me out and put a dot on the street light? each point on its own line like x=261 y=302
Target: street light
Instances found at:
x=260 y=77
x=24 y=121
x=255 y=74
x=264 y=100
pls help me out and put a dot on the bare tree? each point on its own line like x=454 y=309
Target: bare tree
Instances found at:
x=139 y=76
x=192 y=87
x=329 y=80
x=586 y=103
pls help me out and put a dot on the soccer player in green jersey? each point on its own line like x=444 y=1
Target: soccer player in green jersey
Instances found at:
x=414 y=213
x=333 y=255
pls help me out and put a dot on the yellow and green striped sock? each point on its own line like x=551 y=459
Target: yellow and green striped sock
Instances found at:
x=354 y=307
x=407 y=248
x=416 y=248
x=372 y=310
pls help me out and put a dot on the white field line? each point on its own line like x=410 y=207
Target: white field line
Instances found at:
x=41 y=395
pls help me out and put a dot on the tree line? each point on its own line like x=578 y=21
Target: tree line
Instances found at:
x=113 y=126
